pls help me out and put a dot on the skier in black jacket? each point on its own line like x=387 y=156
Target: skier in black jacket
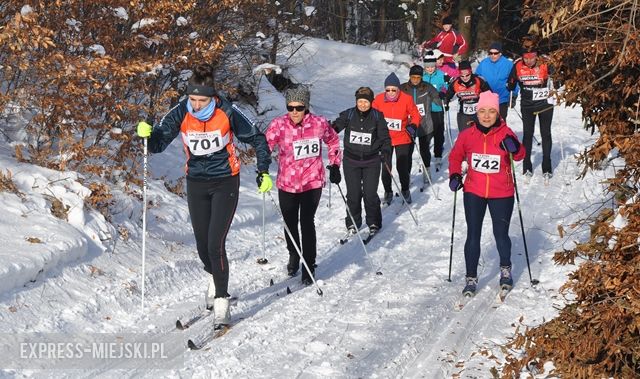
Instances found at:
x=366 y=141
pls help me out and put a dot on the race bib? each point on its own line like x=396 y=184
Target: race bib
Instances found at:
x=205 y=143
x=485 y=163
x=394 y=124
x=360 y=138
x=421 y=109
x=306 y=148
x=470 y=109
x=539 y=93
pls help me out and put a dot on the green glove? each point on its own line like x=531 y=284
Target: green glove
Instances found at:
x=264 y=182
x=144 y=129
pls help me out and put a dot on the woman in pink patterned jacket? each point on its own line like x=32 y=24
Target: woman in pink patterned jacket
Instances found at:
x=298 y=135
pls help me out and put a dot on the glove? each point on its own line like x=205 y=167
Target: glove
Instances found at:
x=446 y=107
x=334 y=174
x=455 y=182
x=412 y=130
x=513 y=101
x=144 y=130
x=442 y=95
x=264 y=182
x=510 y=144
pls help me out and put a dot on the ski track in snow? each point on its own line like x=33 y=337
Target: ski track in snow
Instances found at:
x=399 y=324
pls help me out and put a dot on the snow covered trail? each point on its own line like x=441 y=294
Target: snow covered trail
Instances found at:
x=399 y=324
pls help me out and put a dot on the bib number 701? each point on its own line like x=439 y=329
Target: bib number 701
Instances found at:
x=204 y=143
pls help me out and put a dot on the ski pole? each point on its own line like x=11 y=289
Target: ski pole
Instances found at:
x=524 y=239
x=534 y=136
x=449 y=130
x=543 y=110
x=398 y=188
x=329 y=196
x=263 y=260
x=424 y=169
x=286 y=228
x=453 y=226
x=144 y=217
x=353 y=221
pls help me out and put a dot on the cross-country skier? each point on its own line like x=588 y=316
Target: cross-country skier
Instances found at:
x=402 y=118
x=298 y=135
x=532 y=72
x=208 y=123
x=467 y=88
x=423 y=95
x=366 y=141
x=487 y=146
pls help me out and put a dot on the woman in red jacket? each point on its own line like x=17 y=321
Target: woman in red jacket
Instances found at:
x=402 y=117
x=488 y=147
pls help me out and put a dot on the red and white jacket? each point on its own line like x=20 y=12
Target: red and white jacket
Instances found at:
x=449 y=43
x=489 y=174
x=300 y=166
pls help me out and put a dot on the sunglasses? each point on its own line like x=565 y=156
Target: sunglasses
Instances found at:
x=391 y=90
x=465 y=75
x=494 y=53
x=298 y=108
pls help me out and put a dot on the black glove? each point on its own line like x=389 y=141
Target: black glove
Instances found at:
x=455 y=182
x=510 y=144
x=334 y=174
x=442 y=95
x=412 y=130
x=446 y=107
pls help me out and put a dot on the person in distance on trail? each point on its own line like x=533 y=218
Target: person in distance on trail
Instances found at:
x=423 y=95
x=488 y=147
x=402 y=118
x=440 y=81
x=467 y=88
x=532 y=73
x=298 y=136
x=451 y=43
x=495 y=69
x=366 y=141
x=207 y=124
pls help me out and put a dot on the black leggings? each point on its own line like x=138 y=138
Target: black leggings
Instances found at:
x=362 y=181
x=300 y=206
x=402 y=166
x=528 y=128
x=212 y=205
x=438 y=133
x=474 y=210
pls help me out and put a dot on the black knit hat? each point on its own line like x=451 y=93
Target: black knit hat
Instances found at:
x=416 y=70
x=392 y=80
x=364 y=93
x=447 y=21
x=464 y=65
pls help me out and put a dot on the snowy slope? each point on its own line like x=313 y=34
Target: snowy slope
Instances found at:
x=399 y=324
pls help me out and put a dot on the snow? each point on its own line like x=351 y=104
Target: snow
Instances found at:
x=83 y=274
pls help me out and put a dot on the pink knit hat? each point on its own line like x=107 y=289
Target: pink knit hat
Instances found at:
x=489 y=99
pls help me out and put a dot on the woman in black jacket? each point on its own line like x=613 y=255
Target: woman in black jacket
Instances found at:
x=366 y=142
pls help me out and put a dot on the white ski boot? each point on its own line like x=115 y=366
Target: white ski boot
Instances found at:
x=221 y=312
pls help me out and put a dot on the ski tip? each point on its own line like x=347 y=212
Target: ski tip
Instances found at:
x=378 y=272
x=421 y=189
x=270 y=282
x=192 y=345
x=288 y=290
x=179 y=325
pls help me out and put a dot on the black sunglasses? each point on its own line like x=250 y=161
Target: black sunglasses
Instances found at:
x=391 y=90
x=298 y=108
x=494 y=53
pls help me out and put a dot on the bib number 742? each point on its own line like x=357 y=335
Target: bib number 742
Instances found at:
x=485 y=163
